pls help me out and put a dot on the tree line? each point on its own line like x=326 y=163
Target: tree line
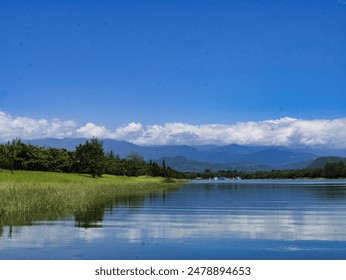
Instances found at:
x=331 y=170
x=89 y=158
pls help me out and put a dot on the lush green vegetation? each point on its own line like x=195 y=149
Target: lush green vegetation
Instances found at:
x=32 y=195
x=331 y=170
x=88 y=158
x=34 y=184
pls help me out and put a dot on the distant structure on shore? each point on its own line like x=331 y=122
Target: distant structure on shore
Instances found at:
x=221 y=178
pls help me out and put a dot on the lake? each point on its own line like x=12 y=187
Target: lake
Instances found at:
x=265 y=219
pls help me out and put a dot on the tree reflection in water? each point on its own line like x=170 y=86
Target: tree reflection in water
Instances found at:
x=91 y=217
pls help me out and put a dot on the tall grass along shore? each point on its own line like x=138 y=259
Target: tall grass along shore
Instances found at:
x=27 y=196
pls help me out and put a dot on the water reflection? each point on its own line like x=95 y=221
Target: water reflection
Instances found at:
x=283 y=226
x=90 y=217
x=246 y=211
x=94 y=216
x=202 y=213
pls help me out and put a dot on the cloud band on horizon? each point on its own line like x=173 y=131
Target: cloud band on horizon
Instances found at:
x=279 y=132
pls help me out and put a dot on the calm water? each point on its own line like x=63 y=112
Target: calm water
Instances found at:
x=200 y=220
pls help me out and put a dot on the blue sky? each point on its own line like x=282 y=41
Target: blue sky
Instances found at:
x=147 y=63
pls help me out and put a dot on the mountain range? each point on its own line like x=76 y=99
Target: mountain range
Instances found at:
x=199 y=158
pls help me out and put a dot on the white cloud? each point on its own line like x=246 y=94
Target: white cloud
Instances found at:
x=281 y=132
x=92 y=130
x=28 y=128
x=132 y=130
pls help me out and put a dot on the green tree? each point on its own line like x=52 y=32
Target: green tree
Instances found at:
x=2 y=156
x=136 y=165
x=10 y=152
x=90 y=157
x=113 y=164
x=155 y=169
x=58 y=160
x=32 y=157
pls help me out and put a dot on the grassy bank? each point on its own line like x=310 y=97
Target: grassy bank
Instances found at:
x=30 y=195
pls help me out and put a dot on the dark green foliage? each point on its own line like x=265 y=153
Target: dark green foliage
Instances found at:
x=135 y=165
x=334 y=170
x=88 y=158
x=59 y=159
x=155 y=169
x=16 y=155
x=112 y=165
x=10 y=152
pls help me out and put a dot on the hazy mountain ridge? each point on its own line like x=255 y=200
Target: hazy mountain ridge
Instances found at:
x=191 y=158
x=322 y=161
x=183 y=164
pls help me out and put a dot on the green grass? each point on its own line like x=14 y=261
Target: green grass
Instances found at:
x=27 y=196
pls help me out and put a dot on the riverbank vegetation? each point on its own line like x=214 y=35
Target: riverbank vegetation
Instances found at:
x=34 y=195
x=39 y=183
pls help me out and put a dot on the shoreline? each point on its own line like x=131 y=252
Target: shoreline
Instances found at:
x=27 y=196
